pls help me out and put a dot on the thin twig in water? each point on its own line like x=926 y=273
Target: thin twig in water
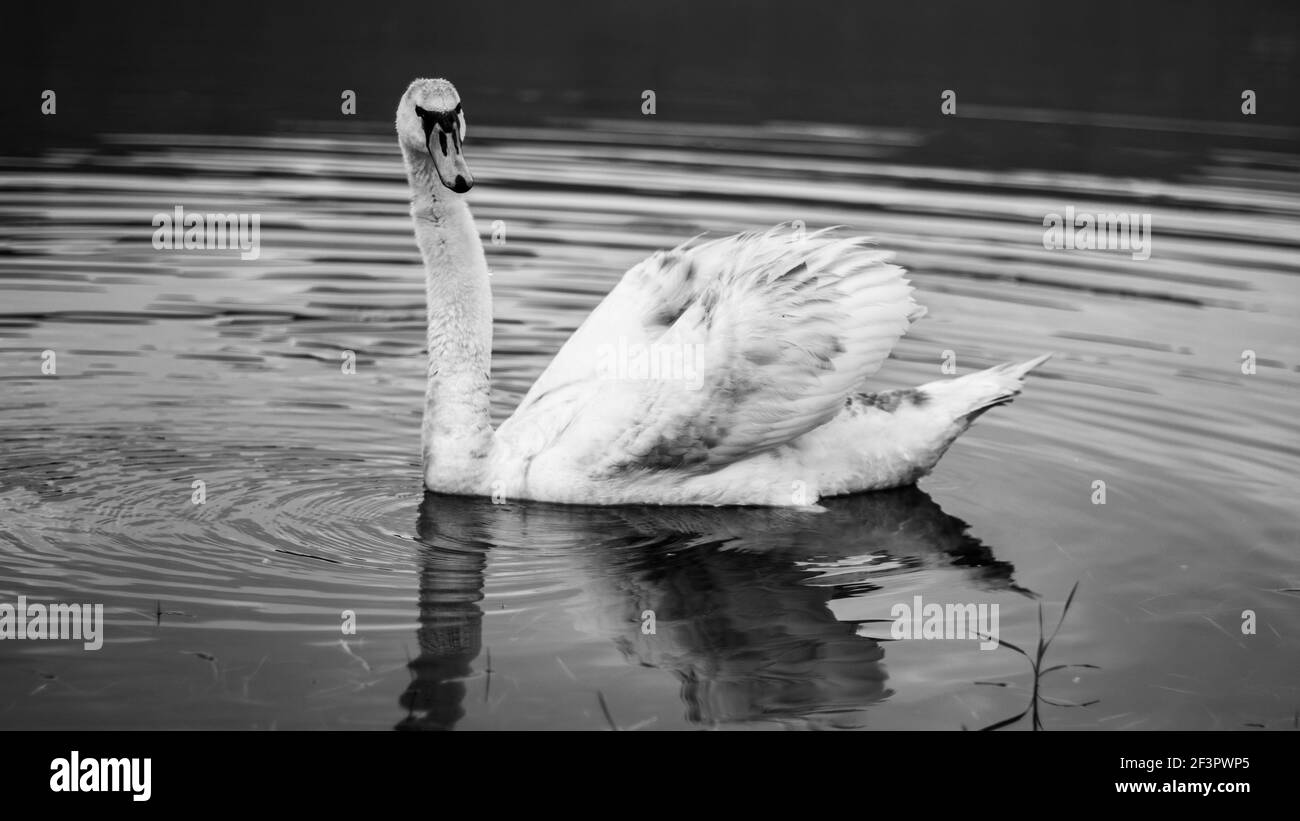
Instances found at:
x=604 y=708
x=210 y=659
x=347 y=649
x=1036 y=665
x=249 y=678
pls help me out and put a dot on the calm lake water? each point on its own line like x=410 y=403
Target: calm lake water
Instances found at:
x=178 y=366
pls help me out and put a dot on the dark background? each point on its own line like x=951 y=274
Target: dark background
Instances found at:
x=252 y=68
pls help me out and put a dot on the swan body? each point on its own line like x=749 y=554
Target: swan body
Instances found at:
x=728 y=372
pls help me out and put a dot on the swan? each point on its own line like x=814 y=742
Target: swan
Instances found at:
x=769 y=338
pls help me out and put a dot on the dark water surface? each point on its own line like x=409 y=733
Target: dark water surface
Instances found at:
x=178 y=366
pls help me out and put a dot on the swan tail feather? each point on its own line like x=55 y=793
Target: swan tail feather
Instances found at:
x=968 y=397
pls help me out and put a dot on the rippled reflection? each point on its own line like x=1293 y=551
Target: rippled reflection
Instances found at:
x=739 y=596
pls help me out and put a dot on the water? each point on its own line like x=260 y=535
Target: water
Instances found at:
x=174 y=367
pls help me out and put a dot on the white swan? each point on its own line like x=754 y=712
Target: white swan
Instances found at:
x=772 y=335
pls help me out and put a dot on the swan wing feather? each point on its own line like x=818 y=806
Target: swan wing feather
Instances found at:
x=773 y=331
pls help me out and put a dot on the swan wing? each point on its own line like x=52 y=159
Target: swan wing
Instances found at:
x=769 y=334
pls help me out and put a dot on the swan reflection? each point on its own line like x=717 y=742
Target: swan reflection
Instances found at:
x=734 y=602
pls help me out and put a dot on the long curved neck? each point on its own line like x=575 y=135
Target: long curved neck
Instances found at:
x=457 y=432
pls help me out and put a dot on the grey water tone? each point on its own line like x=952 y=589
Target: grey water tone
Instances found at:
x=176 y=367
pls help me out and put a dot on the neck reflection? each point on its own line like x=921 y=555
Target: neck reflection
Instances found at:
x=450 y=635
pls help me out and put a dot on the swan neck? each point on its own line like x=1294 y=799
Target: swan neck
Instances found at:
x=457 y=430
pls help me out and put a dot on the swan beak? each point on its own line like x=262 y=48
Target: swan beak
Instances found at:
x=445 y=151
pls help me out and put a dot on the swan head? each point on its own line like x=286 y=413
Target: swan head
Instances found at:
x=430 y=121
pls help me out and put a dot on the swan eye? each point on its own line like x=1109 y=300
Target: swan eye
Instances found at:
x=426 y=122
